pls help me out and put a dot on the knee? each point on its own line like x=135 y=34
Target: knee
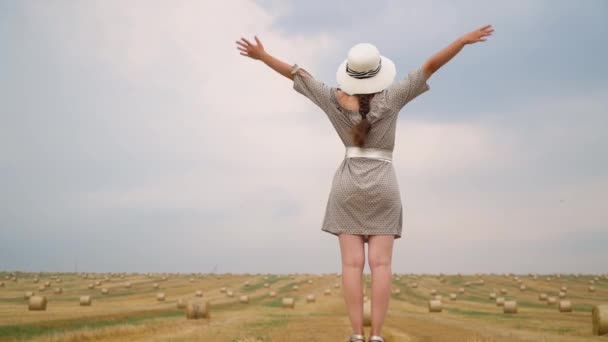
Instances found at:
x=357 y=262
x=379 y=261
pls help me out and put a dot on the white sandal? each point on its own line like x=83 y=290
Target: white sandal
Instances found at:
x=356 y=338
x=375 y=338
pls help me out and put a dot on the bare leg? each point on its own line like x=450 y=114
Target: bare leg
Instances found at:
x=380 y=252
x=353 y=261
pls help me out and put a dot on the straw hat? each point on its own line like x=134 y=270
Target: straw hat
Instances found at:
x=365 y=70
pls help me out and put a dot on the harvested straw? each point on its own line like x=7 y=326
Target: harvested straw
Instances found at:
x=599 y=318
x=37 y=303
x=461 y=290
x=452 y=296
x=272 y=294
x=591 y=288
x=367 y=313
x=155 y=285
x=522 y=287
x=105 y=291
x=223 y=289
x=500 y=301
x=295 y=287
x=266 y=285
x=551 y=300
x=492 y=295
x=197 y=309
x=336 y=285
x=288 y=302
x=327 y=292
x=414 y=285
x=91 y=286
x=58 y=290
x=160 y=297
x=438 y=297
x=435 y=305
x=27 y=295
x=128 y=285
x=41 y=288
x=310 y=298
x=503 y=291
x=562 y=294
x=564 y=306
x=85 y=300
x=433 y=292
x=198 y=293
x=229 y=293
x=244 y=299
x=510 y=306
x=542 y=296
x=397 y=291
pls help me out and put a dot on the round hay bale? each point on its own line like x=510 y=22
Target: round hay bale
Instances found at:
x=562 y=294
x=367 y=313
x=599 y=318
x=105 y=291
x=310 y=298
x=336 y=285
x=327 y=292
x=397 y=291
x=564 y=306
x=591 y=288
x=266 y=285
x=542 y=296
x=155 y=285
x=438 y=297
x=197 y=310
x=503 y=291
x=272 y=294
x=98 y=283
x=500 y=301
x=414 y=285
x=244 y=299
x=229 y=293
x=564 y=288
x=91 y=286
x=85 y=300
x=36 y=280
x=223 y=290
x=160 y=297
x=310 y=281
x=295 y=287
x=510 y=307
x=58 y=290
x=128 y=285
x=591 y=282
x=433 y=292
x=522 y=287
x=198 y=293
x=47 y=283
x=247 y=283
x=452 y=296
x=435 y=305
x=481 y=281
x=41 y=288
x=551 y=300
x=288 y=302
x=492 y=295
x=37 y=303
x=27 y=295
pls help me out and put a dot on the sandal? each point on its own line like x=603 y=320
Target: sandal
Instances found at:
x=356 y=338
x=375 y=338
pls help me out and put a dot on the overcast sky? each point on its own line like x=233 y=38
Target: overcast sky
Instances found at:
x=135 y=137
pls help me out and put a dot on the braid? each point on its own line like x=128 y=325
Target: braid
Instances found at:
x=359 y=131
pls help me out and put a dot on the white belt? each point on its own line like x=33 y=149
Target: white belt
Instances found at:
x=368 y=152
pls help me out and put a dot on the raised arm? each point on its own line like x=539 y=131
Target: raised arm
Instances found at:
x=258 y=52
x=443 y=56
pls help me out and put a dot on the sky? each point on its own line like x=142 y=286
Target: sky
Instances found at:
x=134 y=137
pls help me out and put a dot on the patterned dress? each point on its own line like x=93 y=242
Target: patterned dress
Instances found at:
x=364 y=197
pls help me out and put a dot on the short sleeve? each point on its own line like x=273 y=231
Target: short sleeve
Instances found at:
x=405 y=90
x=305 y=84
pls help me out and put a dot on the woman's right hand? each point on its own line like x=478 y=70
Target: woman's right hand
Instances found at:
x=476 y=35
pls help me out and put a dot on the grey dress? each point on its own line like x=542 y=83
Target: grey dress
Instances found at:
x=364 y=197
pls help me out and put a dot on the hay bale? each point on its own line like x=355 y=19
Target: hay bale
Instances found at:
x=522 y=287
x=327 y=292
x=367 y=313
x=27 y=295
x=160 y=297
x=461 y=290
x=503 y=291
x=41 y=288
x=85 y=300
x=433 y=292
x=155 y=285
x=223 y=289
x=336 y=285
x=562 y=294
x=564 y=306
x=599 y=317
x=564 y=289
x=91 y=286
x=198 y=293
x=197 y=310
x=452 y=296
x=510 y=307
x=591 y=288
x=414 y=285
x=310 y=298
x=229 y=293
x=288 y=302
x=266 y=285
x=244 y=299
x=58 y=290
x=397 y=291
x=438 y=297
x=435 y=305
x=551 y=300
x=105 y=291
x=37 y=303
x=272 y=294
x=128 y=284
x=310 y=281
x=500 y=301
x=542 y=296
x=492 y=295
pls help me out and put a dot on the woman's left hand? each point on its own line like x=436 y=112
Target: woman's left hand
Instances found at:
x=250 y=50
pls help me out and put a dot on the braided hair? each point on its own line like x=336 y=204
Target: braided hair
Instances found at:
x=359 y=131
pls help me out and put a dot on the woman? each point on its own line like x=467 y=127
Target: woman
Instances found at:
x=364 y=204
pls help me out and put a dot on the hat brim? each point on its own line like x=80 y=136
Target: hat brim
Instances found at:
x=378 y=82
